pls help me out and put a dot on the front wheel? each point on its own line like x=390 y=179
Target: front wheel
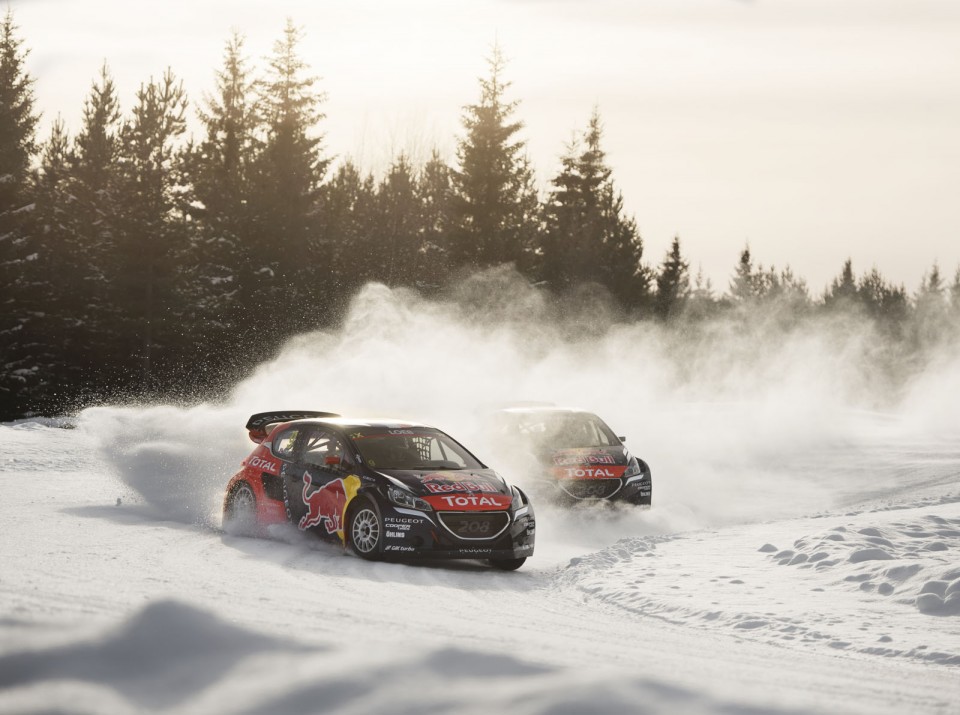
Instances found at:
x=366 y=531
x=508 y=564
x=240 y=515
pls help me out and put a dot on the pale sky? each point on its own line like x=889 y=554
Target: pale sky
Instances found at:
x=812 y=129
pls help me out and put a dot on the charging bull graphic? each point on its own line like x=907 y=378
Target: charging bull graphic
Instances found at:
x=328 y=503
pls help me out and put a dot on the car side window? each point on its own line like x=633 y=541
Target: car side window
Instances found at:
x=319 y=446
x=284 y=443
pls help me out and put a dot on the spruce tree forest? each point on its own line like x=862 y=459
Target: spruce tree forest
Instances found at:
x=140 y=262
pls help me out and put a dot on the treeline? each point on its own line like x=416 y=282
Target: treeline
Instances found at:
x=137 y=261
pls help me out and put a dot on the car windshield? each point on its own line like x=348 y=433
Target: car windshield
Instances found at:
x=562 y=430
x=413 y=448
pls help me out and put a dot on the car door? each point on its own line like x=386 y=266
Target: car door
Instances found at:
x=283 y=446
x=316 y=492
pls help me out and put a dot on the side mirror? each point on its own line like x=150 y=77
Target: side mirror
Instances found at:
x=332 y=461
x=622 y=439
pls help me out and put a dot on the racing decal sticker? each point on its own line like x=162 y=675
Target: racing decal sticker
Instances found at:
x=327 y=503
x=611 y=472
x=266 y=465
x=572 y=459
x=398 y=528
x=470 y=502
x=439 y=483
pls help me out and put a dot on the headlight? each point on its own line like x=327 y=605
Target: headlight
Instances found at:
x=401 y=497
x=633 y=468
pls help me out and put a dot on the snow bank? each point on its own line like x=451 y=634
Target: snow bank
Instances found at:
x=912 y=561
x=883 y=582
x=172 y=657
x=159 y=658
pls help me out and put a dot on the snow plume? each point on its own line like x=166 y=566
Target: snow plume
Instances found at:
x=177 y=460
x=737 y=417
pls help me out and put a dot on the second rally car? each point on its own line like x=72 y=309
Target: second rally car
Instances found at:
x=571 y=455
x=383 y=488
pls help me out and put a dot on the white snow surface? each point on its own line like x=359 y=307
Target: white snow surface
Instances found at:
x=802 y=554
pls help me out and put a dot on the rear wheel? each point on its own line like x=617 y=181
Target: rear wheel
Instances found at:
x=240 y=516
x=365 y=530
x=508 y=564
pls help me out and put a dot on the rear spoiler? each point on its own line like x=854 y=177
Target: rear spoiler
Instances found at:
x=258 y=423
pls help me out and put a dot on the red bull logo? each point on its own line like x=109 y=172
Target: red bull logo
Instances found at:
x=573 y=459
x=445 y=484
x=327 y=504
x=438 y=477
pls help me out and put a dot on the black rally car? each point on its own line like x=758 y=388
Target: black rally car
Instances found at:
x=383 y=488
x=577 y=456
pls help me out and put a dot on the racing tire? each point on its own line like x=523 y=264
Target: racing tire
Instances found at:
x=365 y=530
x=508 y=564
x=240 y=514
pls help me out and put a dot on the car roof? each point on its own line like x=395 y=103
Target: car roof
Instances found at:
x=348 y=422
x=543 y=410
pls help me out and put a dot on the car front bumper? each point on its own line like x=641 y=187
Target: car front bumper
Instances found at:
x=414 y=534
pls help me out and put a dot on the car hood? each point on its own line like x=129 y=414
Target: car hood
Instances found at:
x=461 y=489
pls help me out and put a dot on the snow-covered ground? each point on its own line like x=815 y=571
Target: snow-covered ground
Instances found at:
x=800 y=557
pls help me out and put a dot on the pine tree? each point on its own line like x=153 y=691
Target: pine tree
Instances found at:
x=701 y=303
x=495 y=209
x=18 y=121
x=224 y=242
x=673 y=284
x=145 y=270
x=931 y=295
x=94 y=184
x=221 y=171
x=931 y=310
x=882 y=301
x=19 y=369
x=347 y=246
x=743 y=285
x=434 y=194
x=50 y=332
x=587 y=238
x=792 y=289
x=955 y=293
x=288 y=175
x=98 y=143
x=842 y=293
x=398 y=225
